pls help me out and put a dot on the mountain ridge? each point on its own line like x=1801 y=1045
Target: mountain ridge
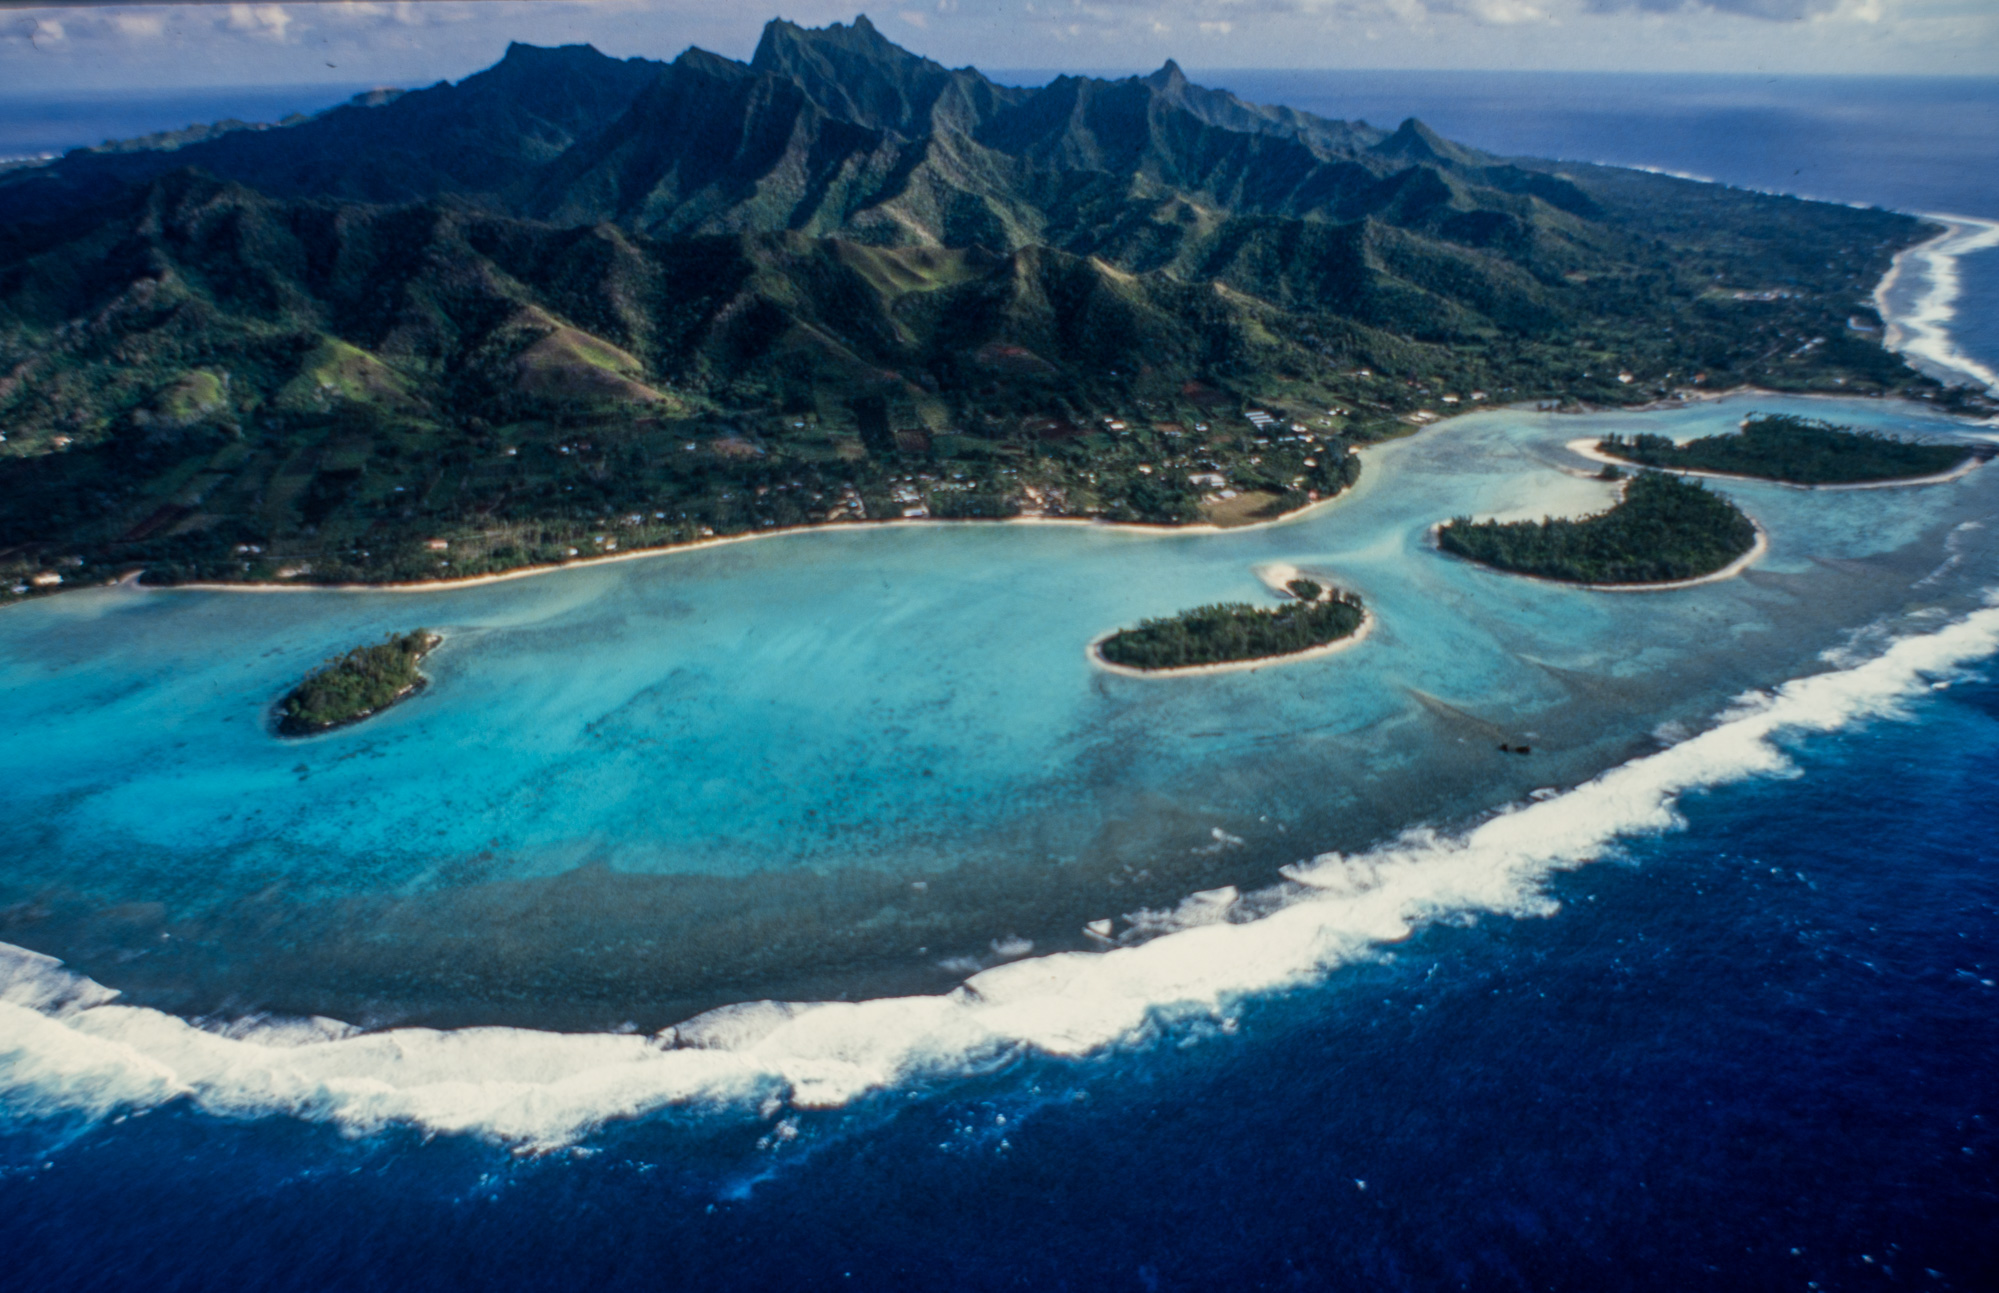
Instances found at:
x=857 y=283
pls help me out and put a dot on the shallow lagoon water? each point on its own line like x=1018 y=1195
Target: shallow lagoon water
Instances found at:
x=1751 y=1054
x=867 y=760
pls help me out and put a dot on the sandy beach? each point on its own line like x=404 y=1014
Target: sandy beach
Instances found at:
x=1729 y=571
x=131 y=579
x=446 y=584
x=1586 y=448
x=1352 y=639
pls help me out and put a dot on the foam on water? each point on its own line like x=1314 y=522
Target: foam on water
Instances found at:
x=1922 y=329
x=67 y=1047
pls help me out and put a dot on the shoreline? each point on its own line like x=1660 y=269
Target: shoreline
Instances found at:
x=1687 y=395
x=1353 y=639
x=351 y=1077
x=1922 y=335
x=1895 y=339
x=1757 y=551
x=435 y=640
x=131 y=579
x=1586 y=448
x=1363 y=631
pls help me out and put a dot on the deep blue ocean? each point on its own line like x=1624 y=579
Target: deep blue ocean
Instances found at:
x=1757 y=1054
x=1757 y=1049
x=50 y=125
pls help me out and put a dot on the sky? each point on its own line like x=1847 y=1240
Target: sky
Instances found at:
x=172 y=46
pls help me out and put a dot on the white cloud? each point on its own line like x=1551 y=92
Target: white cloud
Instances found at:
x=140 y=26
x=398 y=42
x=42 y=33
x=1505 y=13
x=1771 y=10
x=267 y=21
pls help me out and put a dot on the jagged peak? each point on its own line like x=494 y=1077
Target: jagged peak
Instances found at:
x=853 y=72
x=1415 y=142
x=696 y=59
x=1168 y=78
x=781 y=36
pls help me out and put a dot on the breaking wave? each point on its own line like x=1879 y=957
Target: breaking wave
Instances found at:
x=1922 y=330
x=68 y=1048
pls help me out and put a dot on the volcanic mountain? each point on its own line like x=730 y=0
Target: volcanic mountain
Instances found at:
x=499 y=310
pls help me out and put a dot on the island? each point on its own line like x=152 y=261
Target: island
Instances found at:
x=362 y=683
x=572 y=319
x=1234 y=633
x=1794 y=450
x=1663 y=531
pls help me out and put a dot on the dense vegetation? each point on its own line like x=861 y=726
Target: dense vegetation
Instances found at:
x=1664 y=529
x=1802 y=451
x=1232 y=631
x=542 y=313
x=364 y=681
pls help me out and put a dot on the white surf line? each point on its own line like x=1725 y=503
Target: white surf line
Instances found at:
x=1353 y=639
x=1923 y=331
x=1586 y=448
x=69 y=1048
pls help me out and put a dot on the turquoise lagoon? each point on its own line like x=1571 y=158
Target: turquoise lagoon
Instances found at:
x=870 y=760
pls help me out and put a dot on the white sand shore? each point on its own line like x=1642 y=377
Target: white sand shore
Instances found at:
x=1685 y=396
x=701 y=545
x=1586 y=448
x=1352 y=639
x=1277 y=577
x=1729 y=571
x=449 y=584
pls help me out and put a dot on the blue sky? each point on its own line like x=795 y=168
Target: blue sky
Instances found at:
x=417 y=43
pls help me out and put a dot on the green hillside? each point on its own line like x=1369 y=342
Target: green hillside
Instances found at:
x=574 y=304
